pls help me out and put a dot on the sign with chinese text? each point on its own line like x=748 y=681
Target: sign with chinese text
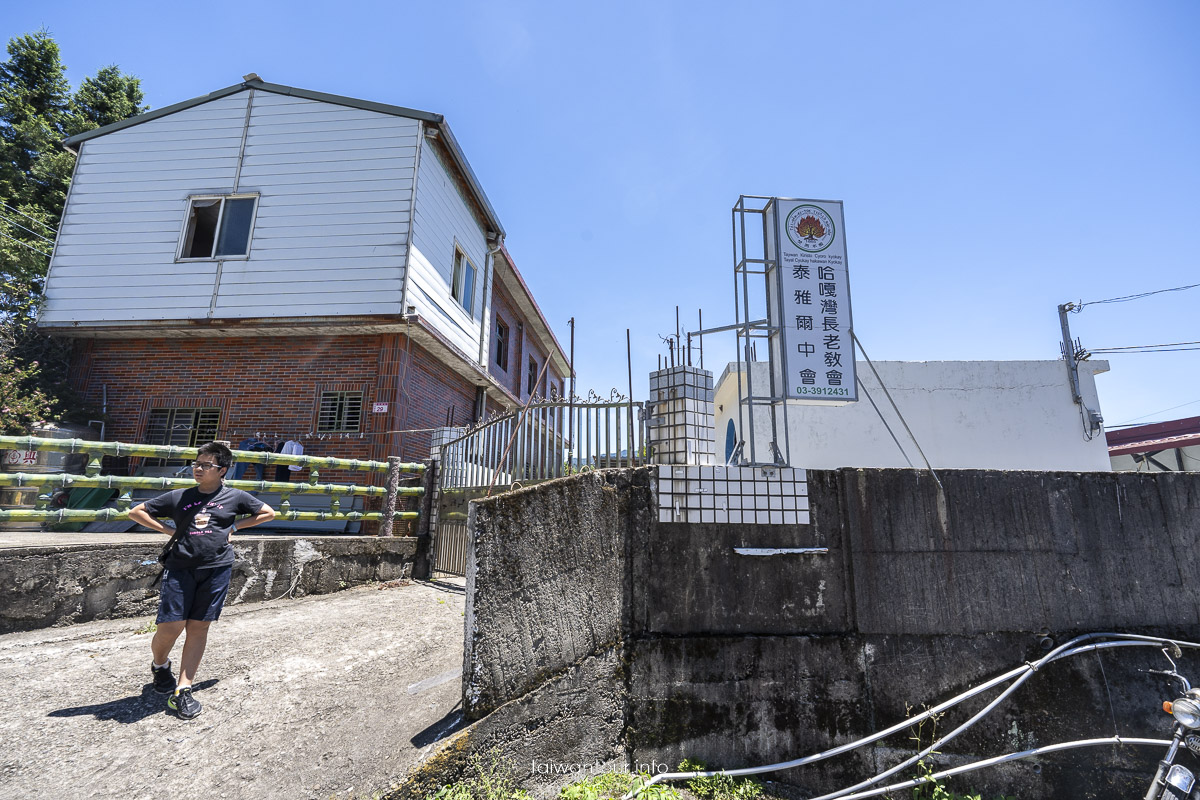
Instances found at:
x=20 y=457
x=809 y=246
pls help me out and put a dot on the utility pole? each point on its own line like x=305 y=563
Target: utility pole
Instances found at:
x=1068 y=347
x=1091 y=419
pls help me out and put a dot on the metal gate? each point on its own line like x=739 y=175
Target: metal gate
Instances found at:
x=518 y=448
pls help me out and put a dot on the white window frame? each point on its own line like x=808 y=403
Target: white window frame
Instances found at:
x=456 y=280
x=187 y=215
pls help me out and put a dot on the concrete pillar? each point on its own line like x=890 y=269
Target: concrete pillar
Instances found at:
x=682 y=416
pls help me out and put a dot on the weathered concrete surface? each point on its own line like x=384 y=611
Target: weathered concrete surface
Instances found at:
x=745 y=701
x=62 y=582
x=549 y=585
x=689 y=580
x=742 y=661
x=1019 y=551
x=570 y=723
x=321 y=697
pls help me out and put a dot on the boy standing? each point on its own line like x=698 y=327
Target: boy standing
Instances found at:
x=197 y=568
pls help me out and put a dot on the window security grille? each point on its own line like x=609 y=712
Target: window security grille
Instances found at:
x=180 y=427
x=340 y=412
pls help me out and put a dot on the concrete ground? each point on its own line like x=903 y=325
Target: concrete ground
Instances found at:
x=322 y=697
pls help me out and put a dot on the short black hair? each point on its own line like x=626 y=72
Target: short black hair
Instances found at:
x=218 y=451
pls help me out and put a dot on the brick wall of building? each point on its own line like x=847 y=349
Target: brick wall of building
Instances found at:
x=522 y=347
x=272 y=385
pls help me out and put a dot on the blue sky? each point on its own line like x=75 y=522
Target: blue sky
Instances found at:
x=995 y=158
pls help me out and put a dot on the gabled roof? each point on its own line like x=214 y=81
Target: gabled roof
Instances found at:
x=437 y=121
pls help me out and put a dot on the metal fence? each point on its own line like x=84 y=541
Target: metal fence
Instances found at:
x=46 y=483
x=544 y=441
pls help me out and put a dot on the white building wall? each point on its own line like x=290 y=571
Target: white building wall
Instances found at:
x=443 y=217
x=115 y=257
x=331 y=231
x=964 y=414
x=332 y=227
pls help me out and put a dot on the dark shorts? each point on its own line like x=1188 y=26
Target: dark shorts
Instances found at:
x=193 y=594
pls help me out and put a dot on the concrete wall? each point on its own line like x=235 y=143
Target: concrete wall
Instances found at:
x=740 y=660
x=45 y=586
x=964 y=414
x=546 y=582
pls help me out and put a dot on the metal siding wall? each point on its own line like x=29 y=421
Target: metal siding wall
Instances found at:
x=442 y=216
x=332 y=224
x=329 y=237
x=116 y=247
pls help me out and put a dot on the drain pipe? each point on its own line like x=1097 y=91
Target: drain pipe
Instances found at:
x=495 y=242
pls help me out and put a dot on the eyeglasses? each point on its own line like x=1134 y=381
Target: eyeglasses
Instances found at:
x=204 y=465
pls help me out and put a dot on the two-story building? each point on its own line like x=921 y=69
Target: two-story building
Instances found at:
x=273 y=262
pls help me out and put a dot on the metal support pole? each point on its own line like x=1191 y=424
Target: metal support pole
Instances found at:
x=422 y=563
x=629 y=366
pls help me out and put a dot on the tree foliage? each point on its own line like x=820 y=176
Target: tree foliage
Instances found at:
x=38 y=111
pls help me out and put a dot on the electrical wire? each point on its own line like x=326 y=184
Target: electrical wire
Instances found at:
x=1140 y=347
x=1131 y=422
x=24 y=244
x=15 y=210
x=1126 y=298
x=27 y=230
x=1150 y=349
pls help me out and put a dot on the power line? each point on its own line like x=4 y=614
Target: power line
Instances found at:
x=1152 y=413
x=27 y=230
x=24 y=244
x=1126 y=298
x=1148 y=350
x=1138 y=347
x=26 y=216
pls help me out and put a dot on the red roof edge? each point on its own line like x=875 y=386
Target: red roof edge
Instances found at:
x=1153 y=432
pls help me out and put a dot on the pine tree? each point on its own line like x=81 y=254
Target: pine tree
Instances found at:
x=37 y=112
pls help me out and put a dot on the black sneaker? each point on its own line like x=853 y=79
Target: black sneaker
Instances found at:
x=164 y=681
x=183 y=704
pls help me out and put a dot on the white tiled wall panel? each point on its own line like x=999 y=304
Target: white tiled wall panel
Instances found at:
x=734 y=495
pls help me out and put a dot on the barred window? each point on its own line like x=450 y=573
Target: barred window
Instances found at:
x=180 y=427
x=340 y=412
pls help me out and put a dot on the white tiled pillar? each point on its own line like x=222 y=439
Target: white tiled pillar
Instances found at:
x=682 y=432
x=440 y=437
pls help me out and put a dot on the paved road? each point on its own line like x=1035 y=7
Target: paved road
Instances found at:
x=326 y=696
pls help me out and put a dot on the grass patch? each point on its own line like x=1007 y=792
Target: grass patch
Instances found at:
x=614 y=785
x=719 y=787
x=490 y=779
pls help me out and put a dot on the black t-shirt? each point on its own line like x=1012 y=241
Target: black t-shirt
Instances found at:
x=207 y=521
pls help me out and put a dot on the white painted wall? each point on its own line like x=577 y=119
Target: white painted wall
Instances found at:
x=330 y=236
x=443 y=216
x=964 y=414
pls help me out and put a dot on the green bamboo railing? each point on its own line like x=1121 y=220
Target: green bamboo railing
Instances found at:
x=113 y=514
x=44 y=482
x=64 y=480
x=188 y=453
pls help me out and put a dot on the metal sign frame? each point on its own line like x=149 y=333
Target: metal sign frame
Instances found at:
x=768 y=329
